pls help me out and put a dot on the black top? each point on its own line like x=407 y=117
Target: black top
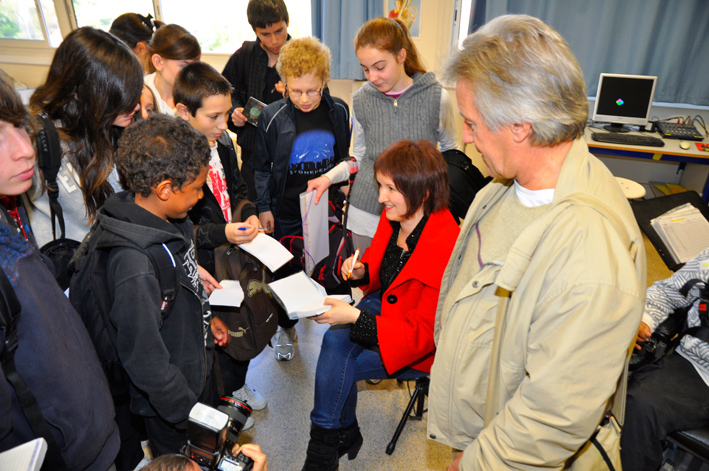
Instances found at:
x=270 y=94
x=364 y=331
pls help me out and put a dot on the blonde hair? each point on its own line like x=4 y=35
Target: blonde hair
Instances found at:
x=304 y=56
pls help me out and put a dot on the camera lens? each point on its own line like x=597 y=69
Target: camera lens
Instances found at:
x=238 y=412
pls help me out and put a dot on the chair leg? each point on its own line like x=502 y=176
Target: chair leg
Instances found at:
x=417 y=398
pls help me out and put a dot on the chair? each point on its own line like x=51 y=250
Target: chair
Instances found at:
x=694 y=442
x=417 y=399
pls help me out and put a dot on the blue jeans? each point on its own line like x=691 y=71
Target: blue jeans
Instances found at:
x=341 y=364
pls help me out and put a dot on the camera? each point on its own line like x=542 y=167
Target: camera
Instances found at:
x=212 y=433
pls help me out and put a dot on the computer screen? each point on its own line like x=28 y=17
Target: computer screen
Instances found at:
x=624 y=99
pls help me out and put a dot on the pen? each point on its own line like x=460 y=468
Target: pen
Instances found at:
x=244 y=228
x=354 y=260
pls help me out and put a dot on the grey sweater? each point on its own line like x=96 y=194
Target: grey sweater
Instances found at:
x=385 y=120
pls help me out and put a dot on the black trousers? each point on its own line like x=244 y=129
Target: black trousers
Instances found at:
x=662 y=398
x=247 y=172
x=233 y=371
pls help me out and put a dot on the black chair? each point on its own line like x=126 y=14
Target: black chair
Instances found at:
x=417 y=399
x=694 y=442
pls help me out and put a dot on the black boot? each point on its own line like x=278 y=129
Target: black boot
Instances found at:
x=322 y=449
x=350 y=441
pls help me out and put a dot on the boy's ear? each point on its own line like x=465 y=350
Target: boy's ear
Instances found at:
x=157 y=61
x=183 y=112
x=163 y=190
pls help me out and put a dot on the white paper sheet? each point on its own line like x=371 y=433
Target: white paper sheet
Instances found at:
x=316 y=244
x=302 y=297
x=231 y=294
x=268 y=250
x=26 y=457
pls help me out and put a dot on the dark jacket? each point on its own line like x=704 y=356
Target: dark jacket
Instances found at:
x=207 y=215
x=57 y=361
x=274 y=143
x=167 y=360
x=246 y=71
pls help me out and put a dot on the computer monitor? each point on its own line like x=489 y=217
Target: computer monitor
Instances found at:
x=624 y=99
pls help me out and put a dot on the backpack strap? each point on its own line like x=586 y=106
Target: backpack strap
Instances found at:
x=49 y=160
x=166 y=273
x=10 y=311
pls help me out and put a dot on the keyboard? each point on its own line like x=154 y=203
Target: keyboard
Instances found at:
x=630 y=139
x=686 y=132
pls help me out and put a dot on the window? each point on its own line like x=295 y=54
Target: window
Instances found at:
x=219 y=25
x=21 y=19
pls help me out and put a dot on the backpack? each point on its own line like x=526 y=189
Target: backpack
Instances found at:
x=252 y=324
x=49 y=159
x=465 y=182
x=89 y=294
x=10 y=312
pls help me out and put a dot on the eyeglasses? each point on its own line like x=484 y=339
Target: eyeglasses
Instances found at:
x=298 y=93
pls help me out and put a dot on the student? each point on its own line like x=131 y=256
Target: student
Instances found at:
x=251 y=70
x=400 y=101
x=91 y=92
x=172 y=48
x=136 y=31
x=298 y=138
x=167 y=359
x=54 y=355
x=203 y=99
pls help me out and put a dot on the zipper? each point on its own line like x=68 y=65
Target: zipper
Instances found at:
x=396 y=120
x=204 y=346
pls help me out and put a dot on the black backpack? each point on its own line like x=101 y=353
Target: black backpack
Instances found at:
x=89 y=294
x=465 y=182
x=49 y=159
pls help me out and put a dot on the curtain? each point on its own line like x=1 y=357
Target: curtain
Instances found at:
x=666 y=38
x=335 y=23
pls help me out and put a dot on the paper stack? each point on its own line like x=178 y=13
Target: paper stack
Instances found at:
x=302 y=297
x=684 y=230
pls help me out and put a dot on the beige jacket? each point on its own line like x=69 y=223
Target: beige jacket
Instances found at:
x=576 y=306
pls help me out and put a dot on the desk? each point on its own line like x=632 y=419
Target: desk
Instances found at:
x=669 y=153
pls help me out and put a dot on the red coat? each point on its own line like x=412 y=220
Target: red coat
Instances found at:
x=405 y=326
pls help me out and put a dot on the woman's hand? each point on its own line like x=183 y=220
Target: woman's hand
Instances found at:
x=266 y=219
x=254 y=452
x=357 y=271
x=319 y=184
x=341 y=313
x=220 y=331
x=208 y=281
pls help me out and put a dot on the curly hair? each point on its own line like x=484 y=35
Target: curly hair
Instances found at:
x=304 y=56
x=158 y=149
x=522 y=70
x=419 y=173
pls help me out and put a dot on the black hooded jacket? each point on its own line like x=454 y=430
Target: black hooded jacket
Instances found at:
x=168 y=360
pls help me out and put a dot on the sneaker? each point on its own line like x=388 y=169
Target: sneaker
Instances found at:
x=253 y=398
x=282 y=343
x=248 y=424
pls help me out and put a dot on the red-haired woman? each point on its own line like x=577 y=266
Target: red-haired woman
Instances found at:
x=390 y=333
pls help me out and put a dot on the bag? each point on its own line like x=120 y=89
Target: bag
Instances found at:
x=49 y=158
x=251 y=325
x=89 y=294
x=601 y=451
x=465 y=181
x=10 y=312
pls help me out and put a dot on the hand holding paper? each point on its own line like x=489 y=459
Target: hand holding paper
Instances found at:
x=341 y=313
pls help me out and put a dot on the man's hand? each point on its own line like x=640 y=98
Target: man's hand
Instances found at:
x=220 y=331
x=208 y=281
x=238 y=118
x=266 y=219
x=319 y=184
x=644 y=334
x=455 y=465
x=254 y=452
